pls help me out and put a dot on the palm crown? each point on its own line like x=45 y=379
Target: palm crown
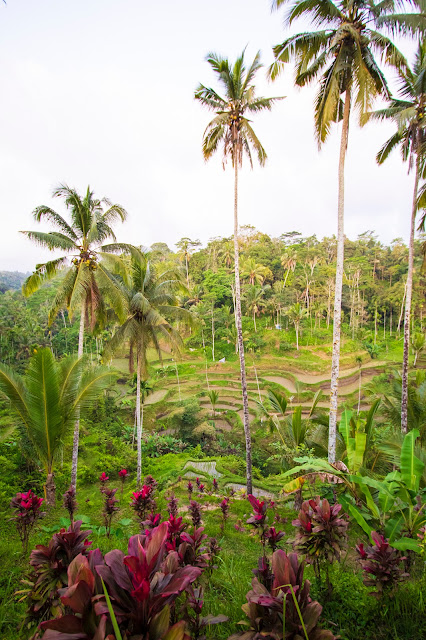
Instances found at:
x=82 y=240
x=150 y=301
x=343 y=52
x=230 y=127
x=408 y=114
x=49 y=397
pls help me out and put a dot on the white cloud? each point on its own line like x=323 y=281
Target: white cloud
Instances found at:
x=101 y=93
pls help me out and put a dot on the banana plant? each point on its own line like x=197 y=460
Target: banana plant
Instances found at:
x=393 y=505
x=357 y=434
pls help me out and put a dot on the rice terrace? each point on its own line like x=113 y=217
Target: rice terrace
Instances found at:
x=213 y=352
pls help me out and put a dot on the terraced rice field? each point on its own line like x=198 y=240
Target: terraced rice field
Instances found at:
x=298 y=384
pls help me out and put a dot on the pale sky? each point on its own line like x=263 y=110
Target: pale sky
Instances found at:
x=100 y=92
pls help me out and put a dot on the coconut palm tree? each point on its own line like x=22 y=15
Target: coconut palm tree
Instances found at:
x=47 y=400
x=187 y=246
x=254 y=300
x=418 y=344
x=341 y=52
x=88 y=281
x=288 y=261
x=213 y=396
x=231 y=130
x=296 y=313
x=150 y=303
x=408 y=114
x=254 y=272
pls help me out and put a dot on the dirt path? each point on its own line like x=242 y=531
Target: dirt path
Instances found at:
x=284 y=382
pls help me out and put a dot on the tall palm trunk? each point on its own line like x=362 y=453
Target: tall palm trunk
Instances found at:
x=50 y=490
x=131 y=358
x=187 y=269
x=77 y=422
x=337 y=317
x=138 y=419
x=407 y=314
x=238 y=322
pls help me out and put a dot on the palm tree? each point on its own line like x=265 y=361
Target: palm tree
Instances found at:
x=296 y=313
x=254 y=300
x=213 y=396
x=289 y=261
x=408 y=114
x=253 y=272
x=187 y=246
x=418 y=344
x=342 y=54
x=150 y=300
x=88 y=281
x=47 y=400
x=231 y=130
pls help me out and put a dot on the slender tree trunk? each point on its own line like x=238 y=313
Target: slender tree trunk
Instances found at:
x=187 y=270
x=375 y=324
x=337 y=318
x=402 y=309
x=239 y=325
x=50 y=491
x=359 y=388
x=254 y=320
x=213 y=333
x=138 y=419
x=77 y=422
x=407 y=314
x=131 y=358
x=297 y=337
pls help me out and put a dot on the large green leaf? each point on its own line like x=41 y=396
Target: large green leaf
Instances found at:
x=411 y=467
x=393 y=527
x=359 y=519
x=407 y=544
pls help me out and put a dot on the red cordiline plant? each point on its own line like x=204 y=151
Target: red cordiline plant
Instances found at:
x=143 y=502
x=70 y=503
x=271 y=604
x=152 y=521
x=151 y=482
x=172 y=506
x=142 y=586
x=190 y=489
x=26 y=511
x=321 y=533
x=49 y=574
x=194 y=510
x=110 y=508
x=273 y=537
x=259 y=519
x=193 y=613
x=103 y=479
x=224 y=507
x=382 y=565
x=123 y=474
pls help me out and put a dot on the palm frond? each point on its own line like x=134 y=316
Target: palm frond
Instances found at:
x=54 y=218
x=403 y=24
x=321 y=12
x=43 y=273
x=209 y=98
x=12 y=386
x=388 y=147
x=63 y=294
x=255 y=142
x=52 y=240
